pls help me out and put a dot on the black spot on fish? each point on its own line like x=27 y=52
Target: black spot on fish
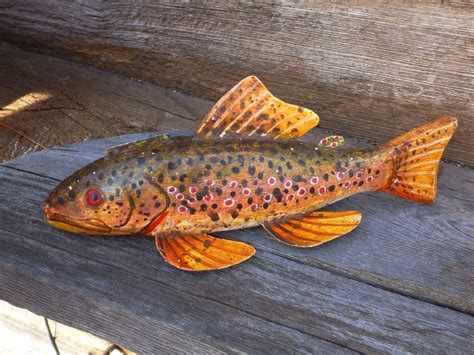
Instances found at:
x=214 y=217
x=361 y=183
x=265 y=205
x=134 y=186
x=120 y=203
x=60 y=200
x=189 y=161
x=203 y=207
x=72 y=194
x=331 y=188
x=214 y=205
x=235 y=170
x=114 y=173
x=270 y=164
x=351 y=173
x=244 y=183
x=288 y=165
x=141 y=160
x=239 y=206
x=101 y=176
x=326 y=177
x=218 y=191
x=259 y=191
x=250 y=200
x=157 y=204
x=111 y=197
x=301 y=162
x=251 y=170
x=213 y=160
x=312 y=190
x=139 y=193
x=260 y=175
x=110 y=181
x=171 y=165
x=338 y=164
x=234 y=214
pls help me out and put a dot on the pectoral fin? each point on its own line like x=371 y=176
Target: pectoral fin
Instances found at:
x=202 y=252
x=313 y=229
x=249 y=109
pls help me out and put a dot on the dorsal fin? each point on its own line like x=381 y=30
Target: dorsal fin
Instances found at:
x=249 y=109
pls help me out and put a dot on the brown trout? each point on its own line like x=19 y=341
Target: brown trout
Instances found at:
x=241 y=169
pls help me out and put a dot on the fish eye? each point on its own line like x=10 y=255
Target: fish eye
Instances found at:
x=93 y=197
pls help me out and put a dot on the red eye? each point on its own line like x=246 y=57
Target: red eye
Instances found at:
x=93 y=197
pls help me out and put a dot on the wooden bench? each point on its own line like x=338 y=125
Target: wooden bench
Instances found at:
x=402 y=281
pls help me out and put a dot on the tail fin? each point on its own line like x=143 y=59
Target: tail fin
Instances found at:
x=416 y=157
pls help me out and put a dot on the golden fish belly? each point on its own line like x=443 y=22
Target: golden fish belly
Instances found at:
x=216 y=185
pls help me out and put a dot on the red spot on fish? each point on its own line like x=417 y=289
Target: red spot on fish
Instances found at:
x=233 y=184
x=322 y=190
x=209 y=182
x=171 y=189
x=182 y=209
x=347 y=184
x=192 y=200
x=272 y=180
x=228 y=202
x=209 y=197
x=333 y=144
x=290 y=197
x=193 y=190
x=180 y=197
x=324 y=141
x=340 y=175
x=288 y=184
x=268 y=197
x=301 y=191
x=359 y=174
x=314 y=180
x=246 y=191
x=369 y=179
x=254 y=207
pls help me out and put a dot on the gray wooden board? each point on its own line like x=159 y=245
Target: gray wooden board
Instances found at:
x=361 y=67
x=400 y=282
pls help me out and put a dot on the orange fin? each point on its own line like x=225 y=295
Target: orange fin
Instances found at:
x=416 y=159
x=202 y=252
x=314 y=228
x=249 y=109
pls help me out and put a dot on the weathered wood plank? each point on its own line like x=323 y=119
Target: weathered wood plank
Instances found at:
x=362 y=68
x=400 y=282
x=46 y=102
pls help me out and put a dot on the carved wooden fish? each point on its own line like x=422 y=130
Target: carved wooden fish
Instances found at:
x=241 y=169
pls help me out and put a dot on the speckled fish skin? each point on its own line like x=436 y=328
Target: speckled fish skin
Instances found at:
x=216 y=184
x=242 y=168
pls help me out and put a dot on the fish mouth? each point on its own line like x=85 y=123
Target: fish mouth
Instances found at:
x=86 y=226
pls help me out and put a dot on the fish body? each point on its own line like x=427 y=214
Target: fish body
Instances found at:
x=181 y=189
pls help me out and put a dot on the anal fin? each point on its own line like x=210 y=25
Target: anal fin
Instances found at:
x=202 y=252
x=314 y=228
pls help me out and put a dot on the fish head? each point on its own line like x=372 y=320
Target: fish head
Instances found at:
x=103 y=199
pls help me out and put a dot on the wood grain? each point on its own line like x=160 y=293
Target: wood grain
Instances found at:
x=401 y=282
x=370 y=71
